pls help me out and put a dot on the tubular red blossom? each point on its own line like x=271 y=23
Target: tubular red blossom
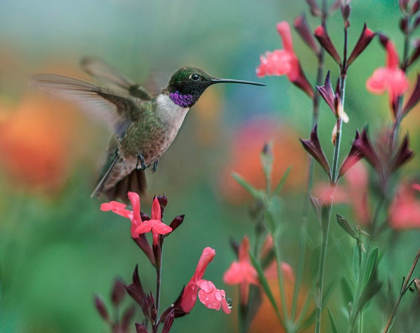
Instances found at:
x=189 y=297
x=155 y=225
x=389 y=79
x=212 y=297
x=119 y=208
x=242 y=272
x=416 y=187
x=284 y=62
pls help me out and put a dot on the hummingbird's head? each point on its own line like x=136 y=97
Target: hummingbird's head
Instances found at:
x=188 y=83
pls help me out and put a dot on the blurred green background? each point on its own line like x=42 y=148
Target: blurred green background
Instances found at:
x=57 y=249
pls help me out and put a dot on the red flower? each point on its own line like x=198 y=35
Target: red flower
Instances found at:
x=215 y=298
x=119 y=208
x=212 y=297
x=284 y=62
x=390 y=78
x=242 y=272
x=155 y=225
x=404 y=212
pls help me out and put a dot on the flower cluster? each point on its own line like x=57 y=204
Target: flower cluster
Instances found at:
x=141 y=224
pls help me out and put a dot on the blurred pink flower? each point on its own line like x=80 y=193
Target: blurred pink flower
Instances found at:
x=215 y=298
x=155 y=225
x=404 y=212
x=242 y=272
x=353 y=192
x=212 y=297
x=390 y=78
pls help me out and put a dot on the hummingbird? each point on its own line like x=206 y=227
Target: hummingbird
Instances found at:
x=143 y=125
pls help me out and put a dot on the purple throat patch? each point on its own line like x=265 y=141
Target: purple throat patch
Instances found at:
x=181 y=100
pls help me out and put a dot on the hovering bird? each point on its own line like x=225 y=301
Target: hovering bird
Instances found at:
x=144 y=126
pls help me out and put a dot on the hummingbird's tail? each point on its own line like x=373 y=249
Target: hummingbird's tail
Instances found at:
x=134 y=182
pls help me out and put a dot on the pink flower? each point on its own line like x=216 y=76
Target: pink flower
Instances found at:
x=390 y=78
x=404 y=212
x=242 y=272
x=416 y=187
x=119 y=208
x=155 y=225
x=212 y=297
x=284 y=62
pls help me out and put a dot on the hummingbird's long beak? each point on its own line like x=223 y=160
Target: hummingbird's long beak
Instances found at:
x=213 y=81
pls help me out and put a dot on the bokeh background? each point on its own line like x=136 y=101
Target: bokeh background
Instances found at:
x=57 y=249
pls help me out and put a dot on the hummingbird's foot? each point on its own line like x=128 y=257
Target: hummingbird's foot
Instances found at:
x=155 y=165
x=140 y=160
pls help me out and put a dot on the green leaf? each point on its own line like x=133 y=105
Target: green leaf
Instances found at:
x=371 y=263
x=275 y=206
x=342 y=221
x=332 y=321
x=346 y=291
x=265 y=285
x=282 y=181
x=257 y=194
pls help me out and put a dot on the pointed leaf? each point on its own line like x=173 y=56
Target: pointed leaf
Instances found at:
x=257 y=194
x=332 y=321
x=346 y=291
x=372 y=260
x=282 y=181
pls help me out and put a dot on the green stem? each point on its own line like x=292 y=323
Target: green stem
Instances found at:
x=403 y=290
x=334 y=180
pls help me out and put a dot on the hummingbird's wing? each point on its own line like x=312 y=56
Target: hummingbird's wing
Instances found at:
x=105 y=73
x=115 y=107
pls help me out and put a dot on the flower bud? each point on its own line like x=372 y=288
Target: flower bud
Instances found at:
x=140 y=328
x=304 y=31
x=404 y=25
x=364 y=40
x=118 y=292
x=100 y=306
x=345 y=13
x=314 y=8
x=403 y=5
x=127 y=317
x=176 y=222
x=324 y=39
x=415 y=8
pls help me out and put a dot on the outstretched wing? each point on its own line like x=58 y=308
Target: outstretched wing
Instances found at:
x=105 y=73
x=116 y=107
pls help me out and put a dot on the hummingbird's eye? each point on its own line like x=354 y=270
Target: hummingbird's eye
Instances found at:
x=195 y=77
